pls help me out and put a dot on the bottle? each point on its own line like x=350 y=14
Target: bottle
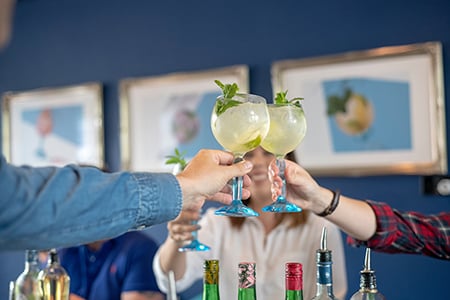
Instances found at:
x=54 y=281
x=294 y=281
x=247 y=281
x=26 y=286
x=324 y=275
x=368 y=284
x=211 y=280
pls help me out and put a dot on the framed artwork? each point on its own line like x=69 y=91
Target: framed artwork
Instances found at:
x=161 y=113
x=54 y=126
x=373 y=112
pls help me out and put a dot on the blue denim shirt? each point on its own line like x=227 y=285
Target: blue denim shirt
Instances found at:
x=48 y=207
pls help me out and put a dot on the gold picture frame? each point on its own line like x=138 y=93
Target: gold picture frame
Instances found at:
x=54 y=126
x=150 y=107
x=372 y=112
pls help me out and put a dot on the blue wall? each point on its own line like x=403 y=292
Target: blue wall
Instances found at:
x=57 y=43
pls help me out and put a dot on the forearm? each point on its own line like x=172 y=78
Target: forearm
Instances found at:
x=354 y=217
x=171 y=259
x=56 y=207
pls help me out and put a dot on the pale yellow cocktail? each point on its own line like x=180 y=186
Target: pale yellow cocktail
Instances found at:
x=287 y=129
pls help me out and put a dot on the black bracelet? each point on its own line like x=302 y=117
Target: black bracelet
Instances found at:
x=332 y=207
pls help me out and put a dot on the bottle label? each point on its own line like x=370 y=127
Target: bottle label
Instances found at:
x=246 y=275
x=324 y=273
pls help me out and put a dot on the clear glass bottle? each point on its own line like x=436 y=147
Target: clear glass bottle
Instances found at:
x=211 y=280
x=368 y=284
x=324 y=281
x=294 y=281
x=247 y=281
x=26 y=286
x=54 y=281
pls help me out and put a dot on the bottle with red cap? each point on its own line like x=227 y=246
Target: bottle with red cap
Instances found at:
x=294 y=281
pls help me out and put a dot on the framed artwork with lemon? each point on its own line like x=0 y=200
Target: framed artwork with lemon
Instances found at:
x=372 y=112
x=164 y=112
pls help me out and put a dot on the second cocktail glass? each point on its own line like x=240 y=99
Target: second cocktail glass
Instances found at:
x=287 y=130
x=239 y=124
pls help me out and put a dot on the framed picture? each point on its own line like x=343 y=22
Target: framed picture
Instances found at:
x=373 y=112
x=163 y=113
x=54 y=126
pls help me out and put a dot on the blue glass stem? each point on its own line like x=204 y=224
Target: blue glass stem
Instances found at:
x=281 y=164
x=237 y=208
x=238 y=183
x=282 y=205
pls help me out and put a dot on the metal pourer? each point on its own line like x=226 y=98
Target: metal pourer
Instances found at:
x=368 y=279
x=323 y=254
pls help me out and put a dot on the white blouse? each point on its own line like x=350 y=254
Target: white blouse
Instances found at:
x=270 y=253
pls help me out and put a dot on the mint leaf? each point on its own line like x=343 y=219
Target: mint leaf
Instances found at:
x=223 y=105
x=178 y=158
x=228 y=91
x=281 y=99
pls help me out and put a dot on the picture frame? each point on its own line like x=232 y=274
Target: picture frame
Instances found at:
x=372 y=112
x=54 y=126
x=159 y=114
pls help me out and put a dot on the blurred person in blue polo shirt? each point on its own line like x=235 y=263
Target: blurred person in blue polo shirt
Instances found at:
x=114 y=269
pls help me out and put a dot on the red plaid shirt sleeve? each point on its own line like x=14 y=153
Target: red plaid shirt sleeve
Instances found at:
x=408 y=232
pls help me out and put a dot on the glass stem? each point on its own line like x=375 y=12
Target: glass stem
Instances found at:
x=281 y=164
x=195 y=232
x=238 y=183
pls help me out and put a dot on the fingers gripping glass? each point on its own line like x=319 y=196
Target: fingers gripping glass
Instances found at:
x=195 y=244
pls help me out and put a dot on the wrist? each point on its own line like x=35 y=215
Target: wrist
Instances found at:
x=331 y=207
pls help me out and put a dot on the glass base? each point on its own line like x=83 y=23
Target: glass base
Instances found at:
x=282 y=206
x=236 y=209
x=194 y=245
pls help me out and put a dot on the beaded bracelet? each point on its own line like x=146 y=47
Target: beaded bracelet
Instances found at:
x=332 y=207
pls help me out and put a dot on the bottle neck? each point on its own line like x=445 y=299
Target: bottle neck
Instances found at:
x=53 y=258
x=324 y=279
x=31 y=261
x=247 y=293
x=325 y=289
x=247 y=281
x=211 y=280
x=294 y=295
x=210 y=292
x=294 y=281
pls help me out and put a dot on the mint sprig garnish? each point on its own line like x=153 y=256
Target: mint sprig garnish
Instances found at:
x=281 y=99
x=177 y=158
x=228 y=91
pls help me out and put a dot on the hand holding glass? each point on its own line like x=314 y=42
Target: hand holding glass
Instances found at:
x=195 y=244
x=287 y=130
x=239 y=125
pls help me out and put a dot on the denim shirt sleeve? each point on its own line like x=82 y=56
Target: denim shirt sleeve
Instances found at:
x=47 y=207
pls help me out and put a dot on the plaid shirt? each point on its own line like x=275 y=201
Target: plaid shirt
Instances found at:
x=409 y=232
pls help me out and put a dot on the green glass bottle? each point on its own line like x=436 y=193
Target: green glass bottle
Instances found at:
x=294 y=281
x=247 y=281
x=211 y=280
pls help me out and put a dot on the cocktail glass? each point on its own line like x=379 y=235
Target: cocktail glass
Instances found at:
x=239 y=125
x=287 y=130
